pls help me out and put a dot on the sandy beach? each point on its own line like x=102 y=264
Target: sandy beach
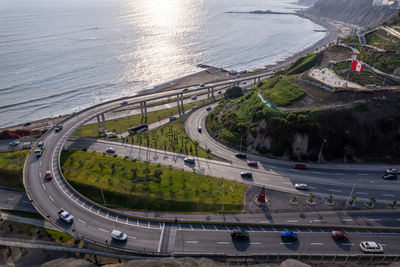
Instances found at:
x=211 y=74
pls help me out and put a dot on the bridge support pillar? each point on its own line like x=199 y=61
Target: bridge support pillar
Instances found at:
x=99 y=124
x=182 y=106
x=255 y=80
x=145 y=111
x=212 y=92
x=208 y=93
x=104 y=123
x=178 y=105
x=259 y=79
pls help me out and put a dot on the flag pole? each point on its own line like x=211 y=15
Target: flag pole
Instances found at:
x=347 y=79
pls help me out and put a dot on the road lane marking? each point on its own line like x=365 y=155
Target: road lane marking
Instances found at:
x=363 y=174
x=101 y=229
x=43 y=187
x=374 y=219
x=339 y=173
x=203 y=227
x=346 y=244
x=317 y=172
x=388 y=195
x=10 y=198
x=264 y=221
x=346 y=220
x=51 y=198
x=223 y=243
x=286 y=183
x=312 y=187
x=133 y=237
x=192 y=242
x=286 y=243
x=255 y=243
x=362 y=193
x=251 y=229
x=398 y=219
x=335 y=190
x=318 y=220
x=81 y=221
x=316 y=244
x=292 y=221
x=161 y=238
x=40 y=163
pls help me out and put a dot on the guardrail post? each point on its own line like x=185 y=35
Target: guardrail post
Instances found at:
x=277 y=259
x=267 y=257
x=372 y=256
x=208 y=92
x=384 y=256
x=334 y=258
x=212 y=92
x=346 y=258
x=359 y=258
x=310 y=257
x=298 y=258
x=396 y=257
x=322 y=258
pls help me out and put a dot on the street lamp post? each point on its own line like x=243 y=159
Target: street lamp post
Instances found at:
x=320 y=151
x=223 y=194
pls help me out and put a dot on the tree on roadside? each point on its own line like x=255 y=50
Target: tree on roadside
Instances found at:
x=353 y=198
x=196 y=145
x=330 y=198
x=294 y=199
x=372 y=201
x=146 y=172
x=394 y=203
x=312 y=196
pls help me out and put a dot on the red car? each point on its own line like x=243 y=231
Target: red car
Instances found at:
x=252 y=163
x=339 y=235
x=299 y=166
x=48 y=175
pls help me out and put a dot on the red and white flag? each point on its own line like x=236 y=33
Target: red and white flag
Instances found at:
x=357 y=66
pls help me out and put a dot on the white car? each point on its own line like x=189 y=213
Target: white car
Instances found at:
x=65 y=216
x=118 y=235
x=110 y=150
x=202 y=85
x=189 y=160
x=392 y=170
x=370 y=246
x=14 y=143
x=246 y=174
x=301 y=186
x=111 y=135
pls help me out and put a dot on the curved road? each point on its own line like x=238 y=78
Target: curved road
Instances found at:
x=95 y=223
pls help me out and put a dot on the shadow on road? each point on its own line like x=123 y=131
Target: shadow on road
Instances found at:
x=241 y=245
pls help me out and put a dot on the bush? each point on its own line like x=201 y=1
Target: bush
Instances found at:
x=234 y=92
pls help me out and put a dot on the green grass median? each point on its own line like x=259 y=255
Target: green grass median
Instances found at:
x=11 y=164
x=145 y=186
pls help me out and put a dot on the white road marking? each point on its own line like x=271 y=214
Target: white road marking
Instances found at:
x=40 y=174
x=148 y=224
x=318 y=220
x=346 y=244
x=101 y=229
x=51 y=198
x=362 y=193
x=161 y=237
x=316 y=244
x=43 y=187
x=286 y=183
x=10 y=198
x=223 y=243
x=133 y=237
x=383 y=245
x=339 y=173
x=335 y=190
x=374 y=219
x=255 y=243
x=291 y=221
x=192 y=242
x=346 y=220
x=388 y=195
x=398 y=219
x=264 y=221
x=203 y=227
x=40 y=163
x=286 y=243
x=364 y=174
x=81 y=221
x=317 y=172
x=312 y=187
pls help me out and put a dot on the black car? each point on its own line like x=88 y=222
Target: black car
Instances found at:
x=58 y=128
x=240 y=234
x=240 y=155
x=389 y=176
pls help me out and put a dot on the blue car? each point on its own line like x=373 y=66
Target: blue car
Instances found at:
x=288 y=235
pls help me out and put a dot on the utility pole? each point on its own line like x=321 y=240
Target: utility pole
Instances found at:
x=102 y=194
x=320 y=151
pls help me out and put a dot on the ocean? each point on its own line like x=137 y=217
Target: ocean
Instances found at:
x=57 y=57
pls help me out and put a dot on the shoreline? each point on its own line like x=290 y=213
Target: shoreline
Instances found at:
x=209 y=73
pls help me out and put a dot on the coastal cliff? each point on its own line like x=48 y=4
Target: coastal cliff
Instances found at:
x=359 y=12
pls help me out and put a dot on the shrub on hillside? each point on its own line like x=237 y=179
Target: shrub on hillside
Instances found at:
x=234 y=92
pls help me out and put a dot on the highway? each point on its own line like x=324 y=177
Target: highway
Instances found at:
x=95 y=223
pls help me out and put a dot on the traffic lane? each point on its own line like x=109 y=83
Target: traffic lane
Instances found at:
x=198 y=118
x=271 y=242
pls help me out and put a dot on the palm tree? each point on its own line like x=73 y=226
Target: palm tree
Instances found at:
x=312 y=196
x=294 y=199
x=353 y=198
x=196 y=145
x=372 y=201
x=330 y=198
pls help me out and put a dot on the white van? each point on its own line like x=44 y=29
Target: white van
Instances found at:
x=118 y=235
